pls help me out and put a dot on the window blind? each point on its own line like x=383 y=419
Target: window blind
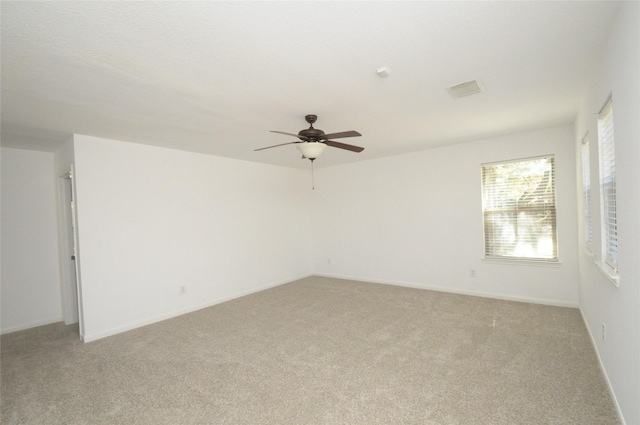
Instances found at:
x=586 y=192
x=519 y=208
x=608 y=186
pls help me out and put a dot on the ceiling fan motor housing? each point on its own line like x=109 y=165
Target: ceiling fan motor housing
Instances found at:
x=311 y=134
x=313 y=141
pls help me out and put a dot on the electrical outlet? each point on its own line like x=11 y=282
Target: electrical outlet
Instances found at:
x=604 y=335
x=472 y=272
x=183 y=290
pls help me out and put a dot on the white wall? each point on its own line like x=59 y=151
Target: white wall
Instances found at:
x=63 y=158
x=30 y=288
x=152 y=220
x=617 y=73
x=416 y=219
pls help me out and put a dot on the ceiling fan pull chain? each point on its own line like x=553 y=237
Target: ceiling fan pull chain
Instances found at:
x=313 y=177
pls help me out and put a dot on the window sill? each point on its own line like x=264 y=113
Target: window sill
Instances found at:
x=522 y=262
x=611 y=274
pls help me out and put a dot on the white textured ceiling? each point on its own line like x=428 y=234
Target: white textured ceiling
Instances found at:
x=215 y=77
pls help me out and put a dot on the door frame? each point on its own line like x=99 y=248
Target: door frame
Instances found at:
x=70 y=284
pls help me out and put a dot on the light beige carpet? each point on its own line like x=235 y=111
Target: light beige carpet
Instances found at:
x=317 y=351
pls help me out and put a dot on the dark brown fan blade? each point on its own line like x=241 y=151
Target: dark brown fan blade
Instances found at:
x=341 y=135
x=344 y=146
x=288 y=134
x=275 y=146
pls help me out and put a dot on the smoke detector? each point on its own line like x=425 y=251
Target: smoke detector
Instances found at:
x=383 y=72
x=466 y=89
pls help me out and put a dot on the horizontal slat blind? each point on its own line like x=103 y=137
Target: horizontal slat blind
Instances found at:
x=608 y=186
x=586 y=192
x=519 y=209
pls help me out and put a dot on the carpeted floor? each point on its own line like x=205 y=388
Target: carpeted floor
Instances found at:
x=317 y=351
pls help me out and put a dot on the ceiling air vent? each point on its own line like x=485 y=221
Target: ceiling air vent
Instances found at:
x=466 y=89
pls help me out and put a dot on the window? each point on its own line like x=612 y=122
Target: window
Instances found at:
x=608 y=214
x=586 y=192
x=519 y=206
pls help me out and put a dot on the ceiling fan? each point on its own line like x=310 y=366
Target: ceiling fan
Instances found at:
x=313 y=141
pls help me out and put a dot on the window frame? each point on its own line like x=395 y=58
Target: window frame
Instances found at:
x=608 y=262
x=585 y=154
x=492 y=256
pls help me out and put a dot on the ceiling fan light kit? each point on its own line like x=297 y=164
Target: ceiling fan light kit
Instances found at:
x=311 y=150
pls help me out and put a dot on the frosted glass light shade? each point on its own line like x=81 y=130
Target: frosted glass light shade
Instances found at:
x=311 y=150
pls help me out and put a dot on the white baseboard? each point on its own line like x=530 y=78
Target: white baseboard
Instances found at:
x=604 y=371
x=31 y=325
x=114 y=331
x=498 y=296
